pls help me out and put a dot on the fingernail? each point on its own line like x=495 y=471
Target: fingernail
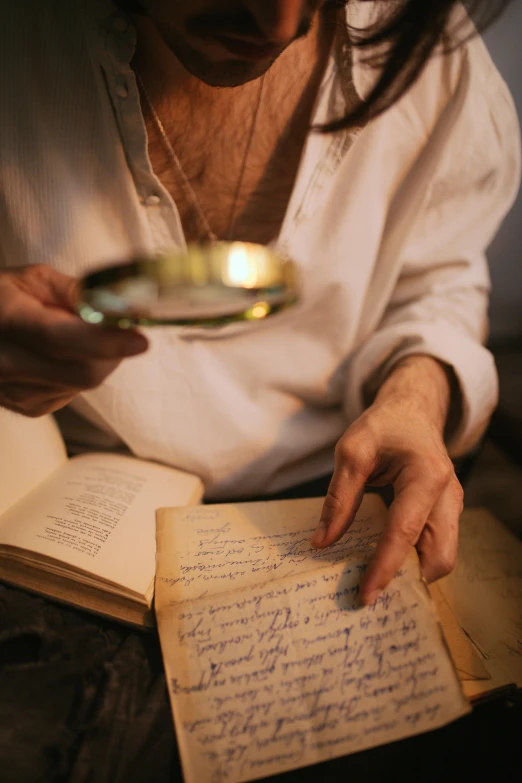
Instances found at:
x=369 y=598
x=320 y=534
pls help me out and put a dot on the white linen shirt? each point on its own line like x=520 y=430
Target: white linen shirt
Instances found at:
x=388 y=225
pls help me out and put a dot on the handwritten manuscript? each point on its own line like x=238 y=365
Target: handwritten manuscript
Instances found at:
x=272 y=663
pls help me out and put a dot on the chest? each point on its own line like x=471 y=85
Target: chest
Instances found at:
x=231 y=168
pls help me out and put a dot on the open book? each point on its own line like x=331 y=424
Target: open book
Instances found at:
x=272 y=663
x=82 y=530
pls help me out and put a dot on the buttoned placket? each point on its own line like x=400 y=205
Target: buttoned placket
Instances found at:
x=160 y=211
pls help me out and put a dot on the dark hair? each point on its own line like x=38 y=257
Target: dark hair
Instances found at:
x=407 y=35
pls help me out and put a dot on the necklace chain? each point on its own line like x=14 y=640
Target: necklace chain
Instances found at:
x=211 y=236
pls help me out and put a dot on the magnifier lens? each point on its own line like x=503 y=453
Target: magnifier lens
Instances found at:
x=208 y=285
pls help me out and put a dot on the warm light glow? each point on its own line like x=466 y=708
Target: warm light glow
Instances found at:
x=259 y=310
x=241 y=271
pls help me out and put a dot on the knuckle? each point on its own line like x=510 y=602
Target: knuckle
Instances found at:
x=444 y=564
x=458 y=493
x=351 y=453
x=38 y=271
x=38 y=278
x=438 y=470
x=455 y=494
x=444 y=470
x=407 y=532
x=343 y=448
x=457 y=487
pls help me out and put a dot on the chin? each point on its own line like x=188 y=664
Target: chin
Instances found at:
x=222 y=73
x=232 y=74
x=214 y=71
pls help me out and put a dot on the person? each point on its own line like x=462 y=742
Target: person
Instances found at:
x=334 y=132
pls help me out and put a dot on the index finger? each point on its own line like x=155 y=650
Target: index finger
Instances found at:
x=62 y=335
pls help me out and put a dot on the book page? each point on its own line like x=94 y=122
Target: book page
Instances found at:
x=485 y=591
x=97 y=514
x=30 y=450
x=284 y=668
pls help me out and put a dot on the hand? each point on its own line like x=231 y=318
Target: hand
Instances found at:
x=399 y=440
x=47 y=353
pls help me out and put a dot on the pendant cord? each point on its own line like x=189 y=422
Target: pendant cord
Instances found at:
x=211 y=236
x=233 y=214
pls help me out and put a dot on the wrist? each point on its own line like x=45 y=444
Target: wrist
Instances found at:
x=421 y=385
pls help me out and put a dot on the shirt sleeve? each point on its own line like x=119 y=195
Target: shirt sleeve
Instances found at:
x=439 y=302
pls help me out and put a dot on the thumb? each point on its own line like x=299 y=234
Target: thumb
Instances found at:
x=64 y=289
x=48 y=286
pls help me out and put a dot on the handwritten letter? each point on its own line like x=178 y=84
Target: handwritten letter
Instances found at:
x=272 y=663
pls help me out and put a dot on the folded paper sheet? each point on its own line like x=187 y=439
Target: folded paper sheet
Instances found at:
x=467 y=659
x=272 y=663
x=485 y=594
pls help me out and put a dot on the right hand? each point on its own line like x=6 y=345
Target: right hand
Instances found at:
x=48 y=355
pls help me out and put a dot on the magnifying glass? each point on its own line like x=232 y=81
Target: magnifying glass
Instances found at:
x=208 y=285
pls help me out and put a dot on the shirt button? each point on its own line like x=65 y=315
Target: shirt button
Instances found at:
x=121 y=91
x=152 y=201
x=120 y=24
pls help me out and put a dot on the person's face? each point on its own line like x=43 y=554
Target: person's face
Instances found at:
x=226 y=43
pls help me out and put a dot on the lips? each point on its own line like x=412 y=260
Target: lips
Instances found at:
x=247 y=50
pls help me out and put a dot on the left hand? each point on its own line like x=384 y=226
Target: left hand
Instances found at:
x=399 y=440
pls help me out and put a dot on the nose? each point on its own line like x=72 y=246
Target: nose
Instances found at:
x=279 y=20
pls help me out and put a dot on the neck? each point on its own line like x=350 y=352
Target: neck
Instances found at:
x=167 y=80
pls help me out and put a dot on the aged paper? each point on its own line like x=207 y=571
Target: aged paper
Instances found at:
x=213 y=549
x=467 y=659
x=485 y=592
x=272 y=663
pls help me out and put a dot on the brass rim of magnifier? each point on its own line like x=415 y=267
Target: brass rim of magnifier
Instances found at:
x=272 y=282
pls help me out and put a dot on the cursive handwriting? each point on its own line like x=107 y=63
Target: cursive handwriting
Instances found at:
x=282 y=674
x=272 y=662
